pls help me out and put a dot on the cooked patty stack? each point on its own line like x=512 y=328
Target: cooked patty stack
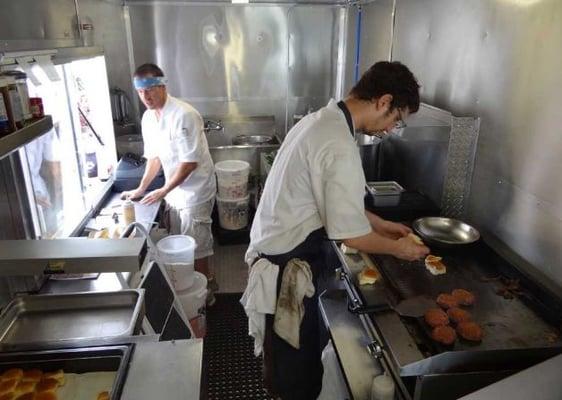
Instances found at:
x=451 y=313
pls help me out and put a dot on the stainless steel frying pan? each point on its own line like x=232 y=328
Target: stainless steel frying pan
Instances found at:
x=445 y=232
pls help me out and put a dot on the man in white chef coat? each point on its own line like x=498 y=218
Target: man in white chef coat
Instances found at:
x=315 y=191
x=174 y=140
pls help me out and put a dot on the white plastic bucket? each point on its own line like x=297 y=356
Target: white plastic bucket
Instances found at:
x=177 y=254
x=232 y=178
x=193 y=302
x=233 y=214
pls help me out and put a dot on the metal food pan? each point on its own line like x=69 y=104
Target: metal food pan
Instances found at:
x=75 y=361
x=63 y=320
x=385 y=193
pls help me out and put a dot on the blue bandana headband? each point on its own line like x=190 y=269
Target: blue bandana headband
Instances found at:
x=148 y=82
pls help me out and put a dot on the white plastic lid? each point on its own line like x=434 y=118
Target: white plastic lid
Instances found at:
x=199 y=284
x=232 y=165
x=383 y=388
x=175 y=244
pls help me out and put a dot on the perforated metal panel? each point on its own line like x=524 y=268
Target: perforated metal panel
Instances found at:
x=460 y=164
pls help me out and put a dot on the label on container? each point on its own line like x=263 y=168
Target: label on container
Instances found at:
x=15 y=101
x=3 y=113
x=24 y=100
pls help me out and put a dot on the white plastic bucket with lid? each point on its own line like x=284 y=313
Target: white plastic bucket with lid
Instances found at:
x=232 y=177
x=233 y=214
x=177 y=252
x=193 y=302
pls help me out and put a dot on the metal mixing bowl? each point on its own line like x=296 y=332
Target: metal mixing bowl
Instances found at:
x=252 y=139
x=445 y=231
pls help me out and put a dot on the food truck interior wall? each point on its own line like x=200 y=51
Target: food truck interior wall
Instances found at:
x=242 y=59
x=499 y=60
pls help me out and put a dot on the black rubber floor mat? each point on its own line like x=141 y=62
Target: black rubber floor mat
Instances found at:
x=232 y=371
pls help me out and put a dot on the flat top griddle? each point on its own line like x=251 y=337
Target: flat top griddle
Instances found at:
x=531 y=320
x=507 y=323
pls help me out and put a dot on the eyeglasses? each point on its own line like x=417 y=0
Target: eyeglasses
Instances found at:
x=400 y=124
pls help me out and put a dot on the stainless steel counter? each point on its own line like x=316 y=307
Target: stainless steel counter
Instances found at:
x=350 y=342
x=165 y=370
x=106 y=282
x=541 y=382
x=145 y=214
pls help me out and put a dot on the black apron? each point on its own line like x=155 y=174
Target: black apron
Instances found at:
x=290 y=373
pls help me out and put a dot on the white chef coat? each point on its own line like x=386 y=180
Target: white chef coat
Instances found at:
x=316 y=181
x=179 y=137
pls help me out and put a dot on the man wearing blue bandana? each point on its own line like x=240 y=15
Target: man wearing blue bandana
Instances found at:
x=174 y=140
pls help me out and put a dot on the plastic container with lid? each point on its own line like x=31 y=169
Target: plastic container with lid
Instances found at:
x=383 y=388
x=5 y=125
x=193 y=300
x=21 y=85
x=177 y=253
x=232 y=178
x=129 y=212
x=233 y=213
x=36 y=106
x=12 y=102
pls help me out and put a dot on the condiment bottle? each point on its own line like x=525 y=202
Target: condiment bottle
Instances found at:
x=21 y=84
x=5 y=125
x=383 y=388
x=129 y=212
x=13 y=105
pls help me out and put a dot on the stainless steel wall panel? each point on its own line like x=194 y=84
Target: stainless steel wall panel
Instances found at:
x=499 y=60
x=375 y=33
x=38 y=19
x=314 y=46
x=376 y=30
x=313 y=50
x=109 y=33
x=214 y=51
x=241 y=60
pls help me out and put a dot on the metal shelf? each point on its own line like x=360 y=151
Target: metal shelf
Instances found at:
x=69 y=256
x=21 y=137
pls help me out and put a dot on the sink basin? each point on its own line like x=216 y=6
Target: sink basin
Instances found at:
x=252 y=140
x=224 y=148
x=243 y=138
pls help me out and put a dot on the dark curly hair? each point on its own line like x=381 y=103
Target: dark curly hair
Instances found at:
x=392 y=78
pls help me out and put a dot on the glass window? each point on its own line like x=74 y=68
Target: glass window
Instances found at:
x=91 y=107
x=68 y=167
x=52 y=163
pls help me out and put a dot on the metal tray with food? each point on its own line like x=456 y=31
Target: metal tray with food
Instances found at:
x=89 y=373
x=67 y=320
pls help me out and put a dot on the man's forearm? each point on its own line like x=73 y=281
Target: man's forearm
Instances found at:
x=372 y=243
x=180 y=175
x=374 y=219
x=150 y=172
